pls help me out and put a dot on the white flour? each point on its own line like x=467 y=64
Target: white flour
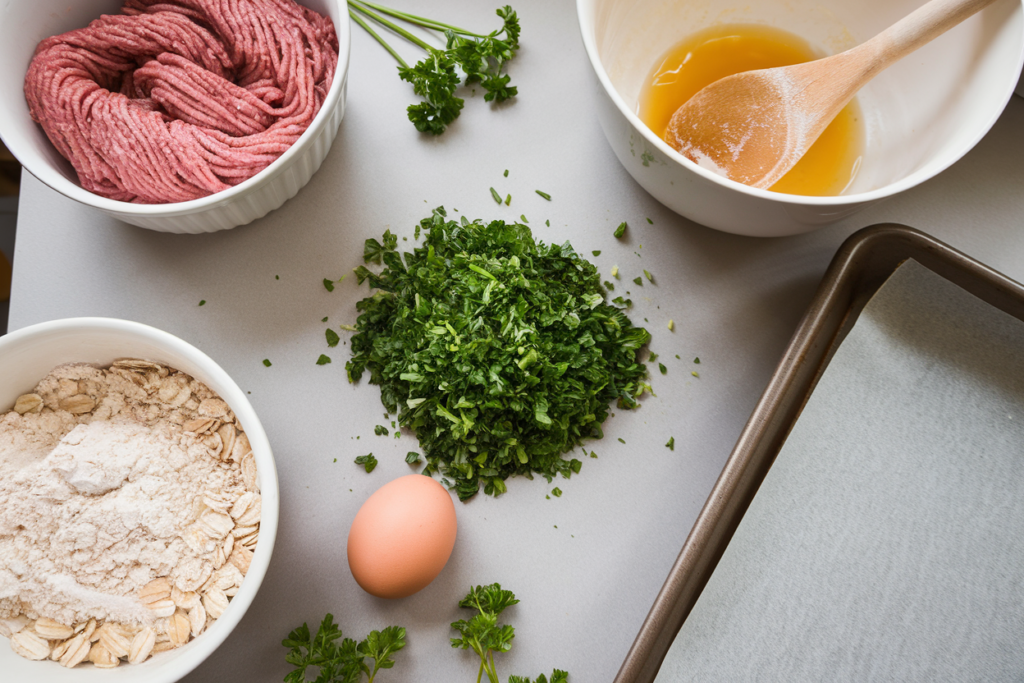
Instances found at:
x=95 y=505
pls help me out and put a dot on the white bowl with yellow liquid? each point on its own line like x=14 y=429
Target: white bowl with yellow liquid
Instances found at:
x=918 y=117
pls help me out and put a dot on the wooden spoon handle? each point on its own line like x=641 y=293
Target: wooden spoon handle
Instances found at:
x=920 y=27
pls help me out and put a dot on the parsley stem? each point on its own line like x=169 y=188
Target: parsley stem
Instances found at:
x=359 y=20
x=419 y=21
x=394 y=27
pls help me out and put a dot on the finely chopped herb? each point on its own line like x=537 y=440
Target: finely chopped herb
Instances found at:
x=380 y=430
x=498 y=351
x=638 y=281
x=662 y=368
x=323 y=360
x=671 y=445
x=596 y=252
x=266 y=362
x=650 y=278
x=545 y=195
x=497 y=197
x=332 y=337
x=621 y=230
x=412 y=457
x=202 y=302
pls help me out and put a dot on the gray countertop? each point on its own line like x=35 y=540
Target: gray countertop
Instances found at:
x=587 y=565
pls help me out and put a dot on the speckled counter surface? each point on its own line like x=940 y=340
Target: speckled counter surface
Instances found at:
x=587 y=565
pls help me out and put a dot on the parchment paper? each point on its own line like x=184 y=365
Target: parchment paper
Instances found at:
x=887 y=541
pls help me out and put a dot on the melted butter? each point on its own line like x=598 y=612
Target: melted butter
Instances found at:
x=831 y=163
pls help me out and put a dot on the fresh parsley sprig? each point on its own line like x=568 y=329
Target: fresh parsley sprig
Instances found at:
x=467 y=58
x=485 y=636
x=340 y=662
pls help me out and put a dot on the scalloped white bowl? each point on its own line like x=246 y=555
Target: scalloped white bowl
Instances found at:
x=24 y=23
x=26 y=356
x=921 y=115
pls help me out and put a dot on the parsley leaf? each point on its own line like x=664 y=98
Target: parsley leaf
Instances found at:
x=412 y=457
x=323 y=360
x=621 y=230
x=367 y=461
x=332 y=337
x=497 y=350
x=671 y=445
x=344 y=661
x=664 y=370
x=380 y=430
x=481 y=57
x=485 y=636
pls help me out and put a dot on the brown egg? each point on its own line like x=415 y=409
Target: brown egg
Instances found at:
x=402 y=537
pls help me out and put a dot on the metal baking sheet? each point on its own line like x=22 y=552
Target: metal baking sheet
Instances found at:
x=860 y=267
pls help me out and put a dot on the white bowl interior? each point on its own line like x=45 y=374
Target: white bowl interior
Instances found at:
x=26 y=356
x=24 y=24
x=921 y=115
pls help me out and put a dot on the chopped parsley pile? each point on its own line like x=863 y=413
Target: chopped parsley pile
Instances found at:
x=499 y=351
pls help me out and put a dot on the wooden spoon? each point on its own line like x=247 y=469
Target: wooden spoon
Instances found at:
x=753 y=127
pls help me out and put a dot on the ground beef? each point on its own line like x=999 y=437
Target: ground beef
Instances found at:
x=174 y=100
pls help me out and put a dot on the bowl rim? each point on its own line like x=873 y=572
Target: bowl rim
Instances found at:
x=73 y=190
x=585 y=16
x=196 y=651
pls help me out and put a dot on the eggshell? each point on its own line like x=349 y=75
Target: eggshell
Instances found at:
x=402 y=537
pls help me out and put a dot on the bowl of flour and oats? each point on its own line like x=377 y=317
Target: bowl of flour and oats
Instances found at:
x=138 y=503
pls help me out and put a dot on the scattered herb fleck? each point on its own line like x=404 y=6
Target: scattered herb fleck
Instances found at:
x=325 y=319
x=332 y=337
x=506 y=173
x=347 y=328
x=498 y=351
x=650 y=221
x=650 y=278
x=615 y=272
x=545 y=195
x=380 y=430
x=556 y=492
x=266 y=361
x=522 y=217
x=695 y=374
x=329 y=285
x=621 y=440
x=202 y=302
x=277 y=277
x=596 y=252
x=343 y=662
x=323 y=360
x=696 y=360
x=621 y=230
x=638 y=281
x=653 y=357
x=671 y=445
x=497 y=197
x=671 y=325
x=547 y=223
x=609 y=286
x=367 y=461
x=677 y=356
x=508 y=200
x=662 y=368
x=412 y=457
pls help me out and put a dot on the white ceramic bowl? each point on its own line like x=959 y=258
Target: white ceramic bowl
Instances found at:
x=23 y=23
x=921 y=115
x=26 y=356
